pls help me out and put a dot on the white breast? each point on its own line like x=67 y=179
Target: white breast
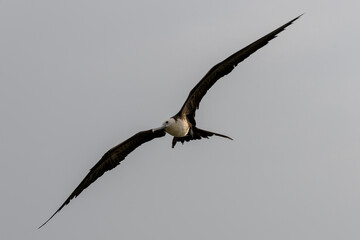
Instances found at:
x=177 y=128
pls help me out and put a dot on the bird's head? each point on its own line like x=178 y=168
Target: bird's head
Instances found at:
x=165 y=125
x=168 y=123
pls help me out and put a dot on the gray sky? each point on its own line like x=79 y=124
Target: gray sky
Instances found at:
x=78 y=77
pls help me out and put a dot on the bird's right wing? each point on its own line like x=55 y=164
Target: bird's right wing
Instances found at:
x=110 y=160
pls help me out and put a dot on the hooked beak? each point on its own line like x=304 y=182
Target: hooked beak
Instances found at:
x=159 y=128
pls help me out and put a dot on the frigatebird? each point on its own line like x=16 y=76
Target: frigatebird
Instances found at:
x=182 y=126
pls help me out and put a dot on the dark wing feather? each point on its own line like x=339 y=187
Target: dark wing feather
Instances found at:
x=223 y=68
x=110 y=160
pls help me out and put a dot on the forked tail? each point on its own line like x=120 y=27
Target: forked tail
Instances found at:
x=196 y=133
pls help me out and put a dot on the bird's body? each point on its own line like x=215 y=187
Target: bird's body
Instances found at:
x=177 y=127
x=182 y=126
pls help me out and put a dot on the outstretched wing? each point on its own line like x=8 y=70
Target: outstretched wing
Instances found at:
x=223 y=68
x=110 y=160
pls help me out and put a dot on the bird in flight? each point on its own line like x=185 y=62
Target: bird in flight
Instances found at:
x=182 y=126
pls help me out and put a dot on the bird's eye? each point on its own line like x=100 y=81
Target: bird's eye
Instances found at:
x=167 y=122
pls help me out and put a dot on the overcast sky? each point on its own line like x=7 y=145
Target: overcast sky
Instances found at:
x=78 y=77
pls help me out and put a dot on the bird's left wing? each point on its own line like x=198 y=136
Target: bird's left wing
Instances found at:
x=223 y=68
x=110 y=160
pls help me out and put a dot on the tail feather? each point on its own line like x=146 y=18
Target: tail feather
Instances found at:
x=195 y=134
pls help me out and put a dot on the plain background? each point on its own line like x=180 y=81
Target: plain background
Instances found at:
x=78 y=77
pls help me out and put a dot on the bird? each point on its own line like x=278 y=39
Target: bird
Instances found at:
x=182 y=126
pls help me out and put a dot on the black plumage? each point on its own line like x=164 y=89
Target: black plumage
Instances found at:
x=114 y=156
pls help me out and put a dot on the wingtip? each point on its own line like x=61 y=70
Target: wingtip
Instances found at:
x=52 y=216
x=46 y=221
x=43 y=224
x=298 y=17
